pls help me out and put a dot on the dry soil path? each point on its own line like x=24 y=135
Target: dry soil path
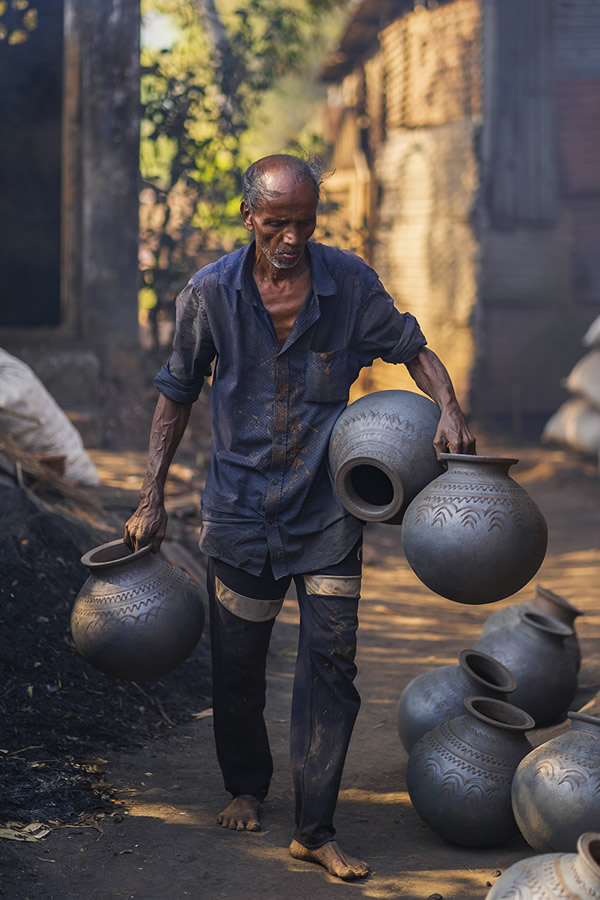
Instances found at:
x=168 y=846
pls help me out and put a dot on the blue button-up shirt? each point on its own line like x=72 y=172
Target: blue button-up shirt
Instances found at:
x=269 y=489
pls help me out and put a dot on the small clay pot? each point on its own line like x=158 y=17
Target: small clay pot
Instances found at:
x=547 y=602
x=381 y=453
x=137 y=616
x=533 y=646
x=474 y=535
x=438 y=695
x=556 y=789
x=554 y=876
x=459 y=774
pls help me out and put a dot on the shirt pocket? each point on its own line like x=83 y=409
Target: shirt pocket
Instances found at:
x=328 y=376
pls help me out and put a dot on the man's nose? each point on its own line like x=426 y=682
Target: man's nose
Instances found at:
x=291 y=236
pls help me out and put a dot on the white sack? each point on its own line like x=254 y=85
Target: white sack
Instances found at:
x=592 y=336
x=575 y=424
x=37 y=423
x=584 y=379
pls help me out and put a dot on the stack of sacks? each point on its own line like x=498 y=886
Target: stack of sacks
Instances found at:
x=576 y=423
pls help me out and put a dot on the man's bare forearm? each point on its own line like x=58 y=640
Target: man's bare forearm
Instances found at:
x=168 y=425
x=431 y=376
x=148 y=524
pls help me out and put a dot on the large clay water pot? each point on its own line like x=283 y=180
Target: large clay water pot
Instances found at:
x=544 y=601
x=554 y=876
x=556 y=789
x=473 y=535
x=381 y=453
x=137 y=616
x=459 y=774
x=438 y=695
x=533 y=646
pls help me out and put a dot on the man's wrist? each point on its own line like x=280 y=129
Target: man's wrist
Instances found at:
x=152 y=494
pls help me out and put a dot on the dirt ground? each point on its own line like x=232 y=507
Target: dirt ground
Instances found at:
x=165 y=845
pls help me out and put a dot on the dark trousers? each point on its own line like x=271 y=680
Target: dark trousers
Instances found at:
x=325 y=702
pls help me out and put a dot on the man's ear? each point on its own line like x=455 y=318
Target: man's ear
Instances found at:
x=246 y=216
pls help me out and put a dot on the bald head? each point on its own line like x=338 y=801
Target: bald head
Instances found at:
x=270 y=177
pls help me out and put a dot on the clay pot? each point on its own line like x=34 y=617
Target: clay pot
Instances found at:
x=438 y=695
x=546 y=602
x=554 y=876
x=556 y=789
x=533 y=646
x=381 y=453
x=473 y=535
x=137 y=616
x=460 y=773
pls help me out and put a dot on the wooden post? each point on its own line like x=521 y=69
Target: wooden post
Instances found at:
x=109 y=42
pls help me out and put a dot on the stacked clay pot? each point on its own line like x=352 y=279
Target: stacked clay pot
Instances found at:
x=554 y=876
x=556 y=788
x=137 y=616
x=473 y=535
x=533 y=646
x=459 y=774
x=544 y=601
x=381 y=453
x=438 y=695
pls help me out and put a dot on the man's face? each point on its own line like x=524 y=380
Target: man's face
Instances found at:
x=283 y=226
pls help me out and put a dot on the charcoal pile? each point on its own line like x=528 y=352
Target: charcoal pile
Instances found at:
x=57 y=712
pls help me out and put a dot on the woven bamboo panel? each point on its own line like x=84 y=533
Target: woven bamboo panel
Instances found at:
x=432 y=64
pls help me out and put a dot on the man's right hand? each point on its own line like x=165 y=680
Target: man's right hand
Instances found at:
x=147 y=525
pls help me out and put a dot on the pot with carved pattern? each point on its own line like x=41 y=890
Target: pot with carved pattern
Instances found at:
x=546 y=602
x=459 y=774
x=381 y=453
x=473 y=535
x=439 y=694
x=137 y=616
x=554 y=876
x=556 y=789
x=534 y=647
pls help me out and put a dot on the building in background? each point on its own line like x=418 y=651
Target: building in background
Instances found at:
x=466 y=140
x=69 y=180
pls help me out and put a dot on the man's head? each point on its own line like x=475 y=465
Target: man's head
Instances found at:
x=280 y=198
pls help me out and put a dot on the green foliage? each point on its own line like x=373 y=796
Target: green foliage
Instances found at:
x=202 y=97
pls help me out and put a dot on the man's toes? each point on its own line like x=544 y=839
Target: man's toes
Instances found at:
x=253 y=826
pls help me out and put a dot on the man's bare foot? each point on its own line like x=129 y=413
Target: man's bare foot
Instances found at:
x=333 y=858
x=241 y=814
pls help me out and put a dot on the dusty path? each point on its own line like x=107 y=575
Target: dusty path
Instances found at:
x=168 y=846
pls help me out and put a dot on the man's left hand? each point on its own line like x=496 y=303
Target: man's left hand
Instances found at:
x=453 y=434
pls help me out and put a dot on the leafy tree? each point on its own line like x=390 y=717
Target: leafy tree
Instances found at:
x=200 y=96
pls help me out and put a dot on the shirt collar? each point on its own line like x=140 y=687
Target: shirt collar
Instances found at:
x=233 y=268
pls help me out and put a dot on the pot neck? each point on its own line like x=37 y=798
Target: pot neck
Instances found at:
x=559 y=606
x=587 y=861
x=499 y=714
x=113 y=555
x=542 y=624
x=477 y=464
x=584 y=722
x=486 y=671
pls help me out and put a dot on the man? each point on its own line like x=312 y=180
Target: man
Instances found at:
x=288 y=324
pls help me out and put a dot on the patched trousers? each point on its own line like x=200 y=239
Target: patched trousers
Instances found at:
x=325 y=702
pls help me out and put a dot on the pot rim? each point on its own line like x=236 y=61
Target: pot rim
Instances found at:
x=583 y=717
x=546 y=623
x=509 y=683
x=560 y=601
x=472 y=458
x=585 y=852
x=354 y=503
x=128 y=555
x=527 y=721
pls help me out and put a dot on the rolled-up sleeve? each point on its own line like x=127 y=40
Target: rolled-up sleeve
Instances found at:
x=182 y=376
x=384 y=332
